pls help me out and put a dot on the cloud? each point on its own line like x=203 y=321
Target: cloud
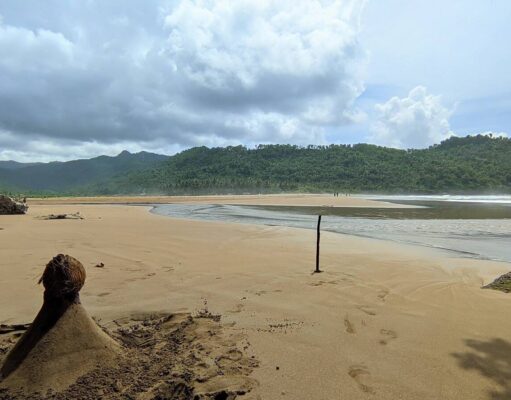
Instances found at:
x=416 y=121
x=177 y=74
x=44 y=149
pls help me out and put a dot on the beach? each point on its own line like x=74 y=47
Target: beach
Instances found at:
x=383 y=320
x=250 y=199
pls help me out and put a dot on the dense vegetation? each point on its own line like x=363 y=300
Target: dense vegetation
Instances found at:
x=470 y=164
x=457 y=165
x=58 y=177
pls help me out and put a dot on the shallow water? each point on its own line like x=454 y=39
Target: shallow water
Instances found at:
x=488 y=199
x=474 y=229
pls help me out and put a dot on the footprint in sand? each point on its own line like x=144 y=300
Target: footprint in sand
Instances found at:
x=388 y=335
x=350 y=328
x=321 y=283
x=263 y=292
x=229 y=359
x=361 y=375
x=382 y=295
x=367 y=310
x=237 y=309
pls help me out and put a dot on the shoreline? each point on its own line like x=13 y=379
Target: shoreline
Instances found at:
x=267 y=200
x=276 y=216
x=358 y=326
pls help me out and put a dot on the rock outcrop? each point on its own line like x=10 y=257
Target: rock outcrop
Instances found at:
x=502 y=283
x=9 y=206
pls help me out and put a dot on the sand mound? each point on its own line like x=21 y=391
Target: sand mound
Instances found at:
x=63 y=343
x=167 y=356
x=72 y=348
x=66 y=355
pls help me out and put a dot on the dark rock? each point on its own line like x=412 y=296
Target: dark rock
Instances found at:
x=502 y=283
x=9 y=206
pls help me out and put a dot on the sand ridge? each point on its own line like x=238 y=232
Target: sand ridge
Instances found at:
x=317 y=200
x=384 y=320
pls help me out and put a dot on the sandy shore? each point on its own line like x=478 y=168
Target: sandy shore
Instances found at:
x=384 y=321
x=320 y=200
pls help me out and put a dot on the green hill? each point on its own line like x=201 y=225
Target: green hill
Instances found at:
x=471 y=164
x=12 y=165
x=59 y=177
x=457 y=165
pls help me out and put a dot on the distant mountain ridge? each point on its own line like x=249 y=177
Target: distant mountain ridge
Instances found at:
x=471 y=164
x=12 y=165
x=64 y=176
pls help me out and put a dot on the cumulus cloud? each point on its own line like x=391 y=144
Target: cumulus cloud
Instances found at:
x=95 y=75
x=416 y=121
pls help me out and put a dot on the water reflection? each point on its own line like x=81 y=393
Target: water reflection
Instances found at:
x=426 y=209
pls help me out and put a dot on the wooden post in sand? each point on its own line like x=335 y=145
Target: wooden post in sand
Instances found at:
x=317 y=245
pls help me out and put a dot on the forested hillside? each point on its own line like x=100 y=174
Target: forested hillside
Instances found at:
x=13 y=165
x=469 y=164
x=457 y=165
x=60 y=177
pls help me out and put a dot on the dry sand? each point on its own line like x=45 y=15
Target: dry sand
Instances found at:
x=384 y=321
x=318 y=200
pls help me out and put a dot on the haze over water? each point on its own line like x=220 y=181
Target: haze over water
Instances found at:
x=471 y=226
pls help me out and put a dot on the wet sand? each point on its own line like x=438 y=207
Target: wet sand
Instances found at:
x=383 y=320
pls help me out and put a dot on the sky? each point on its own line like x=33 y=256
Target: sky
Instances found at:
x=83 y=78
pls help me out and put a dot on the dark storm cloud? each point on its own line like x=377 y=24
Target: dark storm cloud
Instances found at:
x=173 y=74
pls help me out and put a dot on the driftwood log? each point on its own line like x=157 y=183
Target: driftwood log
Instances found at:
x=62 y=216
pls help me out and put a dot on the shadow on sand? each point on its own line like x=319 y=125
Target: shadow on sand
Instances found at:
x=492 y=359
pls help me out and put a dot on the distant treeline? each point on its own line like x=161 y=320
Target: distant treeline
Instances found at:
x=471 y=164
x=457 y=165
